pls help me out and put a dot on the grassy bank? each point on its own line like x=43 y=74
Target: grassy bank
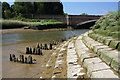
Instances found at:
x=8 y=24
x=108 y=25
x=11 y=24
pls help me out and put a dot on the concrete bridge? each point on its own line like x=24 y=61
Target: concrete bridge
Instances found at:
x=71 y=20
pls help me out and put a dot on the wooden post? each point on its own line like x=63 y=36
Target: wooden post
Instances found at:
x=25 y=59
x=46 y=47
x=33 y=51
x=17 y=59
x=11 y=58
x=22 y=57
x=38 y=45
x=27 y=50
x=39 y=51
x=55 y=43
x=14 y=59
x=41 y=47
x=30 y=52
x=30 y=59
x=50 y=46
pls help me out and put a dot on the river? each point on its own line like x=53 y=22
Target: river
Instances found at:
x=15 y=43
x=38 y=36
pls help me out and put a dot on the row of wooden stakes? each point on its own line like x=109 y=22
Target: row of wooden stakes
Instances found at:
x=35 y=51
x=38 y=49
x=21 y=59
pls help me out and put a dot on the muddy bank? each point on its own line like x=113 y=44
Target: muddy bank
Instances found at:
x=20 y=30
x=19 y=70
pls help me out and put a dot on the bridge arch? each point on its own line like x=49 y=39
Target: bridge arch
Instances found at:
x=85 y=25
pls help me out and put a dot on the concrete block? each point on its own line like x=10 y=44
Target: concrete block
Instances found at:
x=85 y=56
x=94 y=44
x=115 y=64
x=109 y=56
x=118 y=47
x=102 y=39
x=107 y=41
x=94 y=67
x=104 y=49
x=99 y=38
x=95 y=36
x=103 y=74
x=96 y=48
x=91 y=60
x=114 y=44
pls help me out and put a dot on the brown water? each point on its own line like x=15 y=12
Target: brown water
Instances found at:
x=38 y=36
x=16 y=43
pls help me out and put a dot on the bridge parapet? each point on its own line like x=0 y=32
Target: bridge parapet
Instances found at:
x=68 y=19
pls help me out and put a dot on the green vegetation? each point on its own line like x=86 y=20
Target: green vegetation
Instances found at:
x=17 y=24
x=45 y=21
x=31 y=8
x=16 y=11
x=84 y=14
x=108 y=25
x=10 y=24
x=65 y=13
x=25 y=19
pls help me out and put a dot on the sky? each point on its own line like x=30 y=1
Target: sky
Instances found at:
x=91 y=7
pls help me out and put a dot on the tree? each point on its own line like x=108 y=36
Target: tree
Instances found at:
x=6 y=10
x=38 y=7
x=84 y=14
x=23 y=7
x=53 y=8
x=65 y=13
x=5 y=6
x=7 y=14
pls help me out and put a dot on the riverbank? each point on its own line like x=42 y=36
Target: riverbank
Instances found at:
x=18 y=70
x=9 y=24
x=20 y=30
x=17 y=47
x=56 y=64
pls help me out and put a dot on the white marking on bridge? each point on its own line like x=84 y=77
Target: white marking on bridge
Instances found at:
x=86 y=22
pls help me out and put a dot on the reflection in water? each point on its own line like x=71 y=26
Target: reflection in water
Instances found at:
x=38 y=36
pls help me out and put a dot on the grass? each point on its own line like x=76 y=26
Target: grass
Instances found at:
x=107 y=33
x=46 y=21
x=108 y=25
x=17 y=24
x=25 y=19
x=110 y=20
x=9 y=24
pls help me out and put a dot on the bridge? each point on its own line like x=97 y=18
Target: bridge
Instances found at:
x=71 y=20
x=86 y=24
